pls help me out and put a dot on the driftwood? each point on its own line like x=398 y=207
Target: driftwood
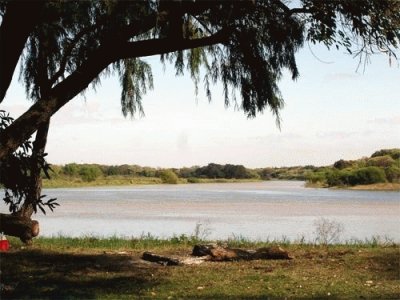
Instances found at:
x=219 y=253
x=21 y=227
x=162 y=260
x=214 y=252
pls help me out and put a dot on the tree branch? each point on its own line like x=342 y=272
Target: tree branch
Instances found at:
x=18 y=22
x=161 y=46
x=291 y=11
x=40 y=112
x=123 y=34
x=68 y=51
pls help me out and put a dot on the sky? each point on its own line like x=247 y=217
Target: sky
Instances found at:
x=333 y=111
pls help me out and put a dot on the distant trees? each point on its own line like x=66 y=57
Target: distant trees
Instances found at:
x=394 y=153
x=382 y=166
x=224 y=171
x=90 y=173
x=375 y=169
x=168 y=176
x=342 y=164
x=367 y=175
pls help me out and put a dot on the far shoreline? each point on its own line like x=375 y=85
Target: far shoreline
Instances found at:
x=387 y=186
x=134 y=181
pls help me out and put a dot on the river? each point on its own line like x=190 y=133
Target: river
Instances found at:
x=258 y=210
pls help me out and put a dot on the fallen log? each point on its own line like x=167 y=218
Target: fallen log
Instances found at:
x=213 y=252
x=21 y=227
x=162 y=260
x=219 y=253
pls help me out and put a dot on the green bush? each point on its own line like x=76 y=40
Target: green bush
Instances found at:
x=367 y=175
x=316 y=177
x=342 y=164
x=168 y=176
x=338 y=178
x=394 y=153
x=71 y=169
x=89 y=172
x=194 y=180
x=393 y=174
x=381 y=161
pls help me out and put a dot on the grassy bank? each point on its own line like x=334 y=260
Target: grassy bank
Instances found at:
x=387 y=186
x=112 y=269
x=65 y=182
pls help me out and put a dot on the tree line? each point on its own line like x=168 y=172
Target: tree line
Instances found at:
x=382 y=166
x=90 y=172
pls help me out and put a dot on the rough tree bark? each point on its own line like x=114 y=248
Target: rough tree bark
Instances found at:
x=21 y=227
x=39 y=146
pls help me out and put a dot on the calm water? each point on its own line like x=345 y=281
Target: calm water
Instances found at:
x=258 y=210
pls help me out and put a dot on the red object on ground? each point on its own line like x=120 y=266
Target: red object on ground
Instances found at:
x=4 y=244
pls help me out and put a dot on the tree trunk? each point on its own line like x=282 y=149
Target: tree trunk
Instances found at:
x=21 y=227
x=39 y=146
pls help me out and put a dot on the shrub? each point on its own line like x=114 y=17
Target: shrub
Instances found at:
x=342 y=164
x=338 y=178
x=328 y=231
x=393 y=174
x=89 y=173
x=316 y=177
x=71 y=169
x=194 y=180
x=367 y=175
x=381 y=161
x=394 y=153
x=168 y=176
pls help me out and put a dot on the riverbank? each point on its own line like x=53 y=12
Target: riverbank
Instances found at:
x=112 y=269
x=129 y=180
x=126 y=181
x=377 y=187
x=387 y=186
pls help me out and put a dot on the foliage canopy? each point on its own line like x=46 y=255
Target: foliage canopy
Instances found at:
x=245 y=45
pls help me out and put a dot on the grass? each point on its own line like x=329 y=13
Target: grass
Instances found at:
x=387 y=186
x=89 y=267
x=70 y=182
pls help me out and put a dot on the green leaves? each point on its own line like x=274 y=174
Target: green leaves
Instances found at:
x=136 y=78
x=17 y=174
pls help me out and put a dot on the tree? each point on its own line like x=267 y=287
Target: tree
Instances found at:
x=67 y=46
x=243 y=44
x=168 y=176
x=20 y=177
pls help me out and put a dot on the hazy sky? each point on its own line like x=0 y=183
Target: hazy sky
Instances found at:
x=332 y=111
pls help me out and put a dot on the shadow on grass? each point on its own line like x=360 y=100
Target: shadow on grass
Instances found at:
x=50 y=275
x=387 y=266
